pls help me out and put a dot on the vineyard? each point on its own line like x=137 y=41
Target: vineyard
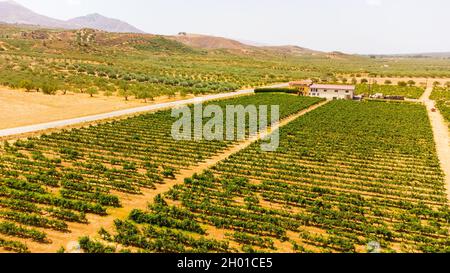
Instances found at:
x=442 y=97
x=345 y=175
x=412 y=92
x=60 y=178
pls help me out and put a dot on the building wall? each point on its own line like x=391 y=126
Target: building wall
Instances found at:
x=332 y=94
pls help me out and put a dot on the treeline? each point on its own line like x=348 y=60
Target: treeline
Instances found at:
x=277 y=90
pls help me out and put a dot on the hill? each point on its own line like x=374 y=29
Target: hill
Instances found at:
x=101 y=22
x=14 y=13
x=209 y=42
x=32 y=57
x=214 y=42
x=292 y=50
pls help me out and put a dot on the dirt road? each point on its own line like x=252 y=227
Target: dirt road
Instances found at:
x=130 y=202
x=115 y=114
x=441 y=135
x=20 y=108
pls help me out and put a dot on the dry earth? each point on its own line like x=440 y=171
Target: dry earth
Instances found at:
x=441 y=135
x=19 y=108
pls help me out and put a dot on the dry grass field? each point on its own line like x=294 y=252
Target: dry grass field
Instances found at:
x=18 y=108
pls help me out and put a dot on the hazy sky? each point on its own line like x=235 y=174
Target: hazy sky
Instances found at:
x=352 y=26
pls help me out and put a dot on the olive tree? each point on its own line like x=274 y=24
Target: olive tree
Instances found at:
x=411 y=83
x=49 y=88
x=92 y=91
x=124 y=90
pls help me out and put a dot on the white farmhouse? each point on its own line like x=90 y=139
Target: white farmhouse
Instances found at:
x=332 y=92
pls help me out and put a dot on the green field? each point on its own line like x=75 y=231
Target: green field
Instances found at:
x=58 y=178
x=442 y=98
x=346 y=175
x=412 y=92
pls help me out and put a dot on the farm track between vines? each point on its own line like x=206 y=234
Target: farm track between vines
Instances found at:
x=131 y=201
x=441 y=135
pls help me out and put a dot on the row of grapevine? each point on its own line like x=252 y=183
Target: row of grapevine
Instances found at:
x=442 y=97
x=412 y=92
x=59 y=178
x=345 y=175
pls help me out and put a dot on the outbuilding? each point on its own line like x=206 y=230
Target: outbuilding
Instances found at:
x=302 y=86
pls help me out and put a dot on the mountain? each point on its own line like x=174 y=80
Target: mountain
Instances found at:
x=291 y=50
x=97 y=21
x=250 y=43
x=213 y=42
x=14 y=13
x=209 y=42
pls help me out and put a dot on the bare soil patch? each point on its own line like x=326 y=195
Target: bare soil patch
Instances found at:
x=19 y=108
x=441 y=136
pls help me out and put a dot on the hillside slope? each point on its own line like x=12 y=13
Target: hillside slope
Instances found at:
x=209 y=42
x=101 y=22
x=213 y=42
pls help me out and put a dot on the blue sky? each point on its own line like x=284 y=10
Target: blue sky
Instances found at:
x=352 y=26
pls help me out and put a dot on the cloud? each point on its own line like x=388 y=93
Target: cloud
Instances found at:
x=374 y=3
